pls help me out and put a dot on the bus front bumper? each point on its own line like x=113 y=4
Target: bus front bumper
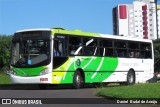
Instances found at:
x=47 y=78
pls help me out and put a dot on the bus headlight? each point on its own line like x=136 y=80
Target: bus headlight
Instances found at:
x=45 y=71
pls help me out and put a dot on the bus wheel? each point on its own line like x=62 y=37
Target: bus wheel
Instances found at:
x=77 y=80
x=130 y=77
x=42 y=86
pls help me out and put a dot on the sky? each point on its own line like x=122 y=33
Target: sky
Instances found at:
x=85 y=15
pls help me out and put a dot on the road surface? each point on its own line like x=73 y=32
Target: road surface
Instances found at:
x=62 y=91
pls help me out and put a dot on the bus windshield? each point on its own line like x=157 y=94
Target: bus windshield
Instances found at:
x=31 y=49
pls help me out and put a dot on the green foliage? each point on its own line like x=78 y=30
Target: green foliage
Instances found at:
x=5 y=46
x=157 y=55
x=5 y=79
x=135 y=91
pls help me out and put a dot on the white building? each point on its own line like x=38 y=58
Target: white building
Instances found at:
x=136 y=20
x=158 y=20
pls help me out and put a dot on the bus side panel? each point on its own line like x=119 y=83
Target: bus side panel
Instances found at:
x=148 y=73
x=61 y=74
x=124 y=65
x=102 y=68
x=96 y=69
x=143 y=69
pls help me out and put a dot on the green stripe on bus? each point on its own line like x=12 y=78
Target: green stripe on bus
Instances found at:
x=76 y=32
x=93 y=64
x=28 y=71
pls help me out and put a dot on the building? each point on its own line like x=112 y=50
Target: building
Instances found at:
x=136 y=20
x=158 y=20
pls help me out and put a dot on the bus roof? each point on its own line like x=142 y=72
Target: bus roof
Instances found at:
x=36 y=29
x=80 y=33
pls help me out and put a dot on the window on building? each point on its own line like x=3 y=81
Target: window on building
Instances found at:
x=132 y=30
x=131 y=15
x=132 y=35
x=131 y=10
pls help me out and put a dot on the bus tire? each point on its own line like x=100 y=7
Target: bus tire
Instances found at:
x=77 y=80
x=131 y=77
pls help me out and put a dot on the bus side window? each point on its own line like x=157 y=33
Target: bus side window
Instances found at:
x=120 y=48
x=56 y=49
x=75 y=46
x=137 y=54
x=132 y=54
x=101 y=52
x=146 y=50
x=90 y=47
x=90 y=42
x=120 y=53
x=60 y=48
x=106 y=43
x=109 y=52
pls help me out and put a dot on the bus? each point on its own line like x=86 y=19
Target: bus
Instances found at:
x=59 y=56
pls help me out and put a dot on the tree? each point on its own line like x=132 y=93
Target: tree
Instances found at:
x=5 y=46
x=157 y=55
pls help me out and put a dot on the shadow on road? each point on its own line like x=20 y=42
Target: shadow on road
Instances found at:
x=35 y=87
x=49 y=87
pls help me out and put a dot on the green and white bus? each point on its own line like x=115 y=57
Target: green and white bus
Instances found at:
x=59 y=56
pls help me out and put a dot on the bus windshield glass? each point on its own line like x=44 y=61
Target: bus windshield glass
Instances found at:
x=31 y=49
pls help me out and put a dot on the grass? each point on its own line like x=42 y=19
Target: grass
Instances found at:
x=148 y=90
x=4 y=78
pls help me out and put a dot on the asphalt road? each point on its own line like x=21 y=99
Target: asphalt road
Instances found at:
x=32 y=91
x=63 y=92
